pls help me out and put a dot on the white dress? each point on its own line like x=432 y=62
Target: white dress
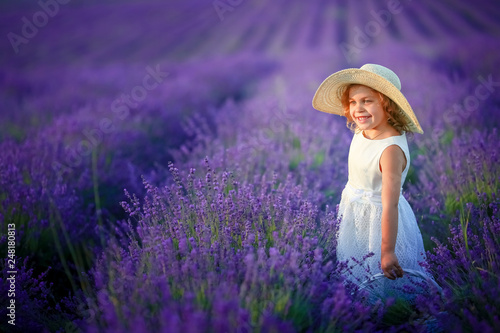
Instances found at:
x=360 y=211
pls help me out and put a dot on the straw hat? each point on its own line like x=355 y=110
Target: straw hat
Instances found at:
x=327 y=97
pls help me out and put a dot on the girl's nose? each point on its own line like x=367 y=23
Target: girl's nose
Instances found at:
x=358 y=108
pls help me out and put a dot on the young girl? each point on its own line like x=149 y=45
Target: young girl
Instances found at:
x=376 y=218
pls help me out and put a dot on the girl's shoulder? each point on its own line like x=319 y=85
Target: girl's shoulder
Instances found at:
x=399 y=140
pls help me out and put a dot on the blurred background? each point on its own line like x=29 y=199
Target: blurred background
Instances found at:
x=58 y=57
x=61 y=57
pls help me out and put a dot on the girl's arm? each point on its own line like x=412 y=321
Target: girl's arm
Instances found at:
x=392 y=164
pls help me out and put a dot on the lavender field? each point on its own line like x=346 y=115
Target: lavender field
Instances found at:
x=162 y=168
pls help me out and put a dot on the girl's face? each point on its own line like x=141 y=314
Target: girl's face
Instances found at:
x=365 y=108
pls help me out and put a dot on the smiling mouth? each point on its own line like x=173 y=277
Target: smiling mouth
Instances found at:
x=362 y=118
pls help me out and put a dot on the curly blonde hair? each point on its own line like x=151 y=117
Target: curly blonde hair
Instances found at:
x=395 y=116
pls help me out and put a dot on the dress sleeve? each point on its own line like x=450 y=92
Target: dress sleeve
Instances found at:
x=402 y=146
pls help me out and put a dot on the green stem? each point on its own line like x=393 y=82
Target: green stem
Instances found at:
x=60 y=249
x=97 y=198
x=464 y=221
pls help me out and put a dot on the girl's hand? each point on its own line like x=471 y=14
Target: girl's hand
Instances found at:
x=390 y=265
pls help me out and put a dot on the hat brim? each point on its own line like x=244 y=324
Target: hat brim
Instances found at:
x=327 y=97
